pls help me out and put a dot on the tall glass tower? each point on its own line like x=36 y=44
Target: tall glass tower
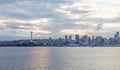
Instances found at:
x=116 y=36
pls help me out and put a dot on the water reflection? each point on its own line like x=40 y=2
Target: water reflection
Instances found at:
x=40 y=58
x=84 y=58
x=13 y=58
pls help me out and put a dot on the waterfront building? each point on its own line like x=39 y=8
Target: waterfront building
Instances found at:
x=77 y=39
x=98 y=41
x=85 y=40
x=70 y=39
x=66 y=38
x=116 y=36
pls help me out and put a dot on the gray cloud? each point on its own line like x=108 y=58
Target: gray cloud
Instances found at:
x=35 y=9
x=99 y=26
x=16 y=26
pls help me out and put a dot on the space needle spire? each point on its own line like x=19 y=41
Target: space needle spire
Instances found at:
x=31 y=35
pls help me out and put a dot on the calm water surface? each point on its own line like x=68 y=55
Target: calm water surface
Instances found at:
x=64 y=58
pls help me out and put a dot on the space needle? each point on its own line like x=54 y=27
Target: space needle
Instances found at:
x=31 y=36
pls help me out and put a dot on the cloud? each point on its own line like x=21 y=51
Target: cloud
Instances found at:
x=59 y=17
x=99 y=26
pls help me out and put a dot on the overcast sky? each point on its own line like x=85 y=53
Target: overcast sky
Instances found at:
x=58 y=17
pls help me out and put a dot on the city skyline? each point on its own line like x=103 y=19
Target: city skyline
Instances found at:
x=31 y=36
x=56 y=18
x=67 y=40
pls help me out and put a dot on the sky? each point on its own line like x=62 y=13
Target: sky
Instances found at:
x=56 y=18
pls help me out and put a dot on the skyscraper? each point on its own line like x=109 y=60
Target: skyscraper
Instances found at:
x=70 y=38
x=31 y=36
x=116 y=36
x=99 y=40
x=66 y=38
x=77 y=38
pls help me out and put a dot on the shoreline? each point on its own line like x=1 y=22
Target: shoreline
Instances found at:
x=62 y=46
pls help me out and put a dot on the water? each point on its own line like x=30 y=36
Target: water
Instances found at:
x=64 y=58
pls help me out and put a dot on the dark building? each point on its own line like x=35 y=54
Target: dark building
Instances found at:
x=77 y=39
